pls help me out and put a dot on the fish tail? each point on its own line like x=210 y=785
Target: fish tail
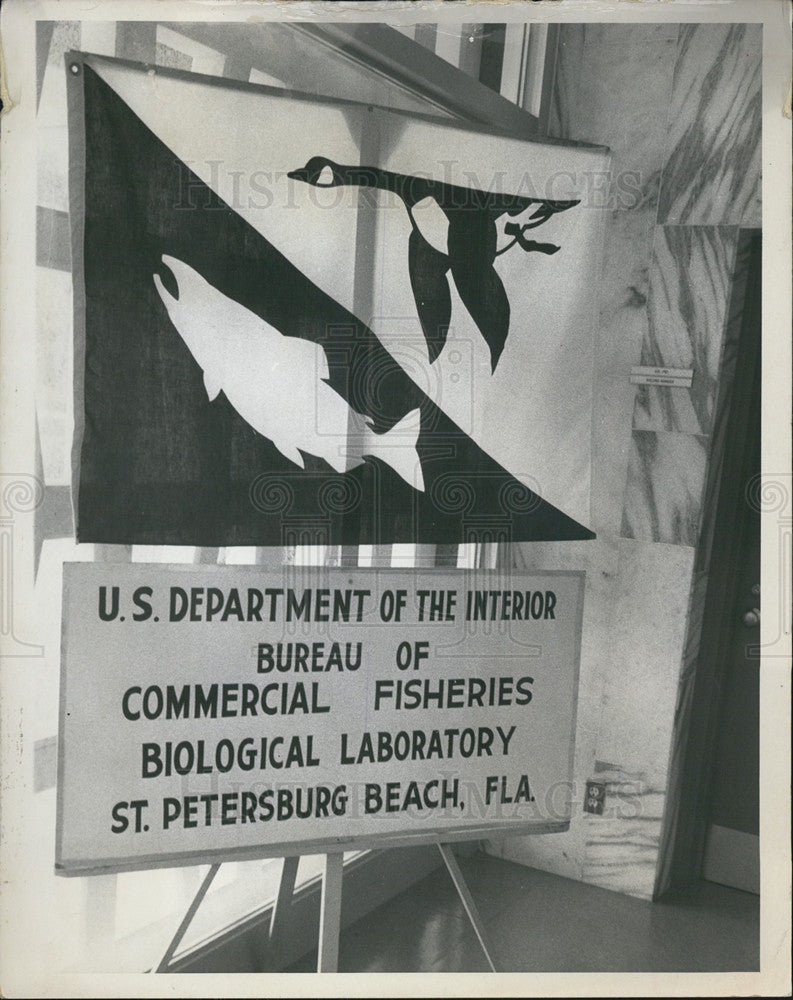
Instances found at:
x=397 y=448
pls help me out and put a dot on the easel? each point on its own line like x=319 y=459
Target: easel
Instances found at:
x=329 y=911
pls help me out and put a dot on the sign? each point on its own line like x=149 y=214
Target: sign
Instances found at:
x=218 y=713
x=295 y=314
x=652 y=375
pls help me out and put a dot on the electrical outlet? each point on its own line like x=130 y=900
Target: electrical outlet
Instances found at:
x=595 y=798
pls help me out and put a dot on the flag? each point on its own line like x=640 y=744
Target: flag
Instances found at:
x=227 y=390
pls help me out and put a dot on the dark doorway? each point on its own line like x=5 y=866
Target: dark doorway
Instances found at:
x=718 y=819
x=732 y=844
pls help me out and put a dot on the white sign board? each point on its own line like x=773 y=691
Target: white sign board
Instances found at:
x=227 y=712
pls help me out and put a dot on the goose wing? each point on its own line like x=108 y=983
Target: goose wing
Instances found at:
x=428 y=268
x=472 y=243
x=483 y=294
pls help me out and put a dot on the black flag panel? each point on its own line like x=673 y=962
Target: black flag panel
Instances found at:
x=183 y=444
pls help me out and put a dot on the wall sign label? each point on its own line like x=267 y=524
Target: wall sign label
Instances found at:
x=654 y=375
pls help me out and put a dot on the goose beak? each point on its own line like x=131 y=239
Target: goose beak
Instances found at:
x=300 y=175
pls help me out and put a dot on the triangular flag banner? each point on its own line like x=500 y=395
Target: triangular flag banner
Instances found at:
x=225 y=398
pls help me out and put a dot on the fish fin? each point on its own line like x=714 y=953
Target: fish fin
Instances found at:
x=309 y=356
x=290 y=452
x=397 y=449
x=212 y=387
x=165 y=295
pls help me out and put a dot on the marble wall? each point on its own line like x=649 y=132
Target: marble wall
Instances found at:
x=712 y=171
x=679 y=107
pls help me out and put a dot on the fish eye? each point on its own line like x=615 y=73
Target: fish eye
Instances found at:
x=326 y=177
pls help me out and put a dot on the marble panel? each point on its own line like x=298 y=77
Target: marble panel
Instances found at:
x=563 y=853
x=621 y=850
x=649 y=609
x=633 y=640
x=690 y=280
x=624 y=291
x=712 y=170
x=622 y=328
x=597 y=100
x=663 y=496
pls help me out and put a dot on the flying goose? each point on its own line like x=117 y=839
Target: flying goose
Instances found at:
x=453 y=229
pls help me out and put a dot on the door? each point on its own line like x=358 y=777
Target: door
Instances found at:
x=732 y=851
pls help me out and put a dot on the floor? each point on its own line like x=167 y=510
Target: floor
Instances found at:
x=539 y=922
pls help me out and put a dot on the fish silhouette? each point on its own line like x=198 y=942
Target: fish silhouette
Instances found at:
x=278 y=384
x=453 y=230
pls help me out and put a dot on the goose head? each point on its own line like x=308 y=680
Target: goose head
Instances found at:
x=321 y=172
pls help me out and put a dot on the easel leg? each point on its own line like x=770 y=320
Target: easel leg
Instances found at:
x=467 y=900
x=283 y=901
x=162 y=965
x=330 y=914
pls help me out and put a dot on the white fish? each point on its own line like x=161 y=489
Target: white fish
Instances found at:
x=278 y=384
